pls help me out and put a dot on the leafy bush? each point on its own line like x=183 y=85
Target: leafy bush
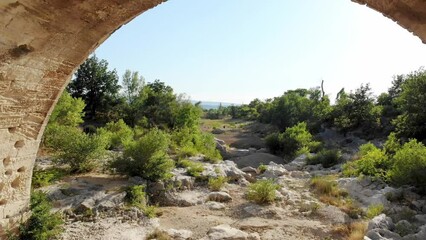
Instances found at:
x=191 y=141
x=147 y=157
x=262 y=168
x=68 y=111
x=374 y=210
x=136 y=196
x=43 y=224
x=81 y=151
x=43 y=178
x=119 y=134
x=193 y=169
x=327 y=158
x=215 y=184
x=373 y=162
x=392 y=144
x=292 y=141
x=262 y=191
x=410 y=165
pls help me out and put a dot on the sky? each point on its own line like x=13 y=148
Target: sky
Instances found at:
x=235 y=51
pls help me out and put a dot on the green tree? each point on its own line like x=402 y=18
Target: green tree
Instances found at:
x=68 y=111
x=147 y=157
x=132 y=84
x=96 y=85
x=411 y=102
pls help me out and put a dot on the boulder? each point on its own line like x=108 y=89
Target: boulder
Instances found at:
x=219 y=197
x=181 y=234
x=382 y=234
x=274 y=171
x=334 y=214
x=226 y=232
x=382 y=222
x=215 y=205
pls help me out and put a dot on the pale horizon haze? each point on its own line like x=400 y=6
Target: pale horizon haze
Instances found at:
x=235 y=51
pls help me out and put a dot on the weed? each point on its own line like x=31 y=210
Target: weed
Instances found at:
x=263 y=191
x=215 y=184
x=374 y=210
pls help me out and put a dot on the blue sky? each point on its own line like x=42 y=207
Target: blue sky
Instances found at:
x=235 y=51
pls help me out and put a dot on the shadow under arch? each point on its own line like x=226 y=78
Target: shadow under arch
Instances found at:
x=41 y=44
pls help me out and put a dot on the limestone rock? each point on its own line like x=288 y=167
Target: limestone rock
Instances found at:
x=219 y=197
x=381 y=221
x=226 y=232
x=181 y=234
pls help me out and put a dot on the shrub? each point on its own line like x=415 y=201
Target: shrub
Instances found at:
x=327 y=158
x=374 y=210
x=273 y=142
x=81 y=151
x=262 y=191
x=42 y=178
x=262 y=168
x=147 y=157
x=215 y=184
x=193 y=169
x=410 y=165
x=119 y=134
x=136 y=196
x=42 y=224
x=294 y=140
x=190 y=142
x=373 y=162
x=392 y=144
x=158 y=235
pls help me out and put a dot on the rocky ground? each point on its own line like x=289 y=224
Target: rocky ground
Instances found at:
x=94 y=204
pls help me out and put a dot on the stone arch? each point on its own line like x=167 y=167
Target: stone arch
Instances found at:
x=43 y=41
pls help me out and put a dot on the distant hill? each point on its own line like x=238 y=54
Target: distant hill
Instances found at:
x=213 y=105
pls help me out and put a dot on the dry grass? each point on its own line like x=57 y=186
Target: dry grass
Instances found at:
x=329 y=192
x=352 y=231
x=158 y=235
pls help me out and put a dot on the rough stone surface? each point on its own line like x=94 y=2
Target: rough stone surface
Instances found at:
x=41 y=44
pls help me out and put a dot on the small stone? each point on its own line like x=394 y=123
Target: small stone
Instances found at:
x=219 y=197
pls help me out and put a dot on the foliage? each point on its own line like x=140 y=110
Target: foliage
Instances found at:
x=290 y=142
x=262 y=191
x=410 y=165
x=158 y=235
x=215 y=184
x=262 y=168
x=326 y=157
x=411 y=103
x=68 y=111
x=392 y=144
x=136 y=196
x=325 y=186
x=357 y=110
x=97 y=86
x=132 y=85
x=374 y=210
x=118 y=134
x=42 y=178
x=147 y=157
x=81 y=151
x=191 y=141
x=43 y=224
x=193 y=169
x=373 y=162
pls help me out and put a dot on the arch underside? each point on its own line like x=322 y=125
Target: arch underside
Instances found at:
x=43 y=41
